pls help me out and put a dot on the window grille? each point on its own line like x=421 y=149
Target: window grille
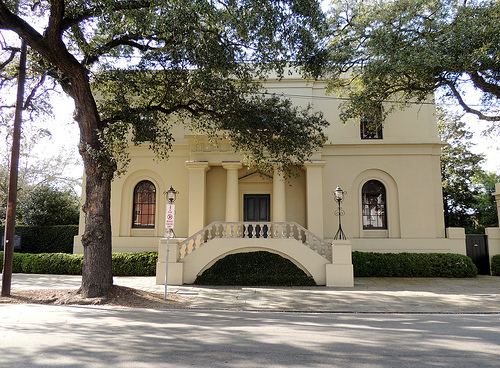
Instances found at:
x=374 y=205
x=144 y=208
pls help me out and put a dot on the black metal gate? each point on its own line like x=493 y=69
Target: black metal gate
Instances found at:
x=477 y=249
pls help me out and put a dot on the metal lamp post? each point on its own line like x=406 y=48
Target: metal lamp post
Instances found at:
x=339 y=197
x=169 y=227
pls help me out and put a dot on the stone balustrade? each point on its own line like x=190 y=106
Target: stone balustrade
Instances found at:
x=256 y=230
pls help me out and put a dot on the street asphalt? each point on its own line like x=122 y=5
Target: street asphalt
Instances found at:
x=43 y=336
x=381 y=322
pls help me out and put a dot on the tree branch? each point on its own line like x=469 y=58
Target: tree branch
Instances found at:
x=13 y=53
x=468 y=109
x=54 y=29
x=193 y=107
x=125 y=40
x=93 y=12
x=482 y=84
x=33 y=91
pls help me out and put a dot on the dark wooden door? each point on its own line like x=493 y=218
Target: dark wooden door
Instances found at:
x=477 y=249
x=257 y=208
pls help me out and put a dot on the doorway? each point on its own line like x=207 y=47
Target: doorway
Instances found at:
x=257 y=208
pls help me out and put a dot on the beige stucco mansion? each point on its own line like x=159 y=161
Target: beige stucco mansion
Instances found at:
x=391 y=177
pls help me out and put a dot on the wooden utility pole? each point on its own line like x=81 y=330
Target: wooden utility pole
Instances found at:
x=10 y=220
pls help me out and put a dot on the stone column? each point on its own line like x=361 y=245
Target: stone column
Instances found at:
x=279 y=200
x=232 y=191
x=314 y=197
x=197 y=194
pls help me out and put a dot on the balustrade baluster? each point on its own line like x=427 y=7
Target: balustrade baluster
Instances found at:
x=291 y=231
x=254 y=225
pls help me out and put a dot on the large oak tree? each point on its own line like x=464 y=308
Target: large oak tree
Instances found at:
x=405 y=50
x=195 y=62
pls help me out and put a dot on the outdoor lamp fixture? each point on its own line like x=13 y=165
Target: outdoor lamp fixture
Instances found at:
x=339 y=197
x=171 y=195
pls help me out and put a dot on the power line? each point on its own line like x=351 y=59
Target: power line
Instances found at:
x=349 y=99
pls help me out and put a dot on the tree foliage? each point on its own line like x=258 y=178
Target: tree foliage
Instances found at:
x=404 y=50
x=467 y=188
x=35 y=169
x=191 y=62
x=485 y=205
x=46 y=206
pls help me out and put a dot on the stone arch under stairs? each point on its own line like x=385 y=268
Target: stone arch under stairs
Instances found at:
x=305 y=258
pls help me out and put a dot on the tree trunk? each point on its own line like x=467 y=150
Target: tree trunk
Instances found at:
x=97 y=276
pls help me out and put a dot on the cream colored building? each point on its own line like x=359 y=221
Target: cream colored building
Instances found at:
x=393 y=200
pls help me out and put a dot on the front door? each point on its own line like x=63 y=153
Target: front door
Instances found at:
x=477 y=249
x=257 y=208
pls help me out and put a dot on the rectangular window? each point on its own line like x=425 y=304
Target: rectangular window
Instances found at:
x=371 y=125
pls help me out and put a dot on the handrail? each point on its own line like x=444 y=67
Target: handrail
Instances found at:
x=255 y=229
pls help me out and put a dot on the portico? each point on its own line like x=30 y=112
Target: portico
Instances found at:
x=239 y=183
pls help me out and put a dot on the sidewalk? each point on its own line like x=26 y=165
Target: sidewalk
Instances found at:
x=369 y=295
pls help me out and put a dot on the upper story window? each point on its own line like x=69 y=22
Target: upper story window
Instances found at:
x=374 y=205
x=144 y=208
x=371 y=124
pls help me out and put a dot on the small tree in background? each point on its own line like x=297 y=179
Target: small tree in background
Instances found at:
x=46 y=206
x=467 y=188
x=485 y=205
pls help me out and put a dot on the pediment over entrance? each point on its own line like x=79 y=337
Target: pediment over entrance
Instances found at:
x=256 y=177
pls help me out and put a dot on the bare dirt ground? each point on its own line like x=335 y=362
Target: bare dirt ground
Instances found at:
x=118 y=296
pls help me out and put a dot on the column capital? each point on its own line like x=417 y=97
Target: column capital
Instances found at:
x=315 y=163
x=197 y=165
x=232 y=165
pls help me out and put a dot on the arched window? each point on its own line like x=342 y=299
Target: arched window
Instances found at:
x=144 y=205
x=374 y=205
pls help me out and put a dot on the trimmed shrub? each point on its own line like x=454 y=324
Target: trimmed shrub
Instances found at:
x=124 y=264
x=367 y=264
x=134 y=264
x=46 y=239
x=254 y=269
x=495 y=265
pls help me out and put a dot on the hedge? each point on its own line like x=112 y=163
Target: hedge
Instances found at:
x=124 y=264
x=263 y=268
x=368 y=264
x=254 y=269
x=46 y=239
x=495 y=265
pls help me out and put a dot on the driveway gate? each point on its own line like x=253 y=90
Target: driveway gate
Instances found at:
x=477 y=249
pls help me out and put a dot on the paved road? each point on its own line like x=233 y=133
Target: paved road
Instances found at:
x=58 y=336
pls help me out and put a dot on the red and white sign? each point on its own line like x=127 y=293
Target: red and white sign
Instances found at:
x=169 y=219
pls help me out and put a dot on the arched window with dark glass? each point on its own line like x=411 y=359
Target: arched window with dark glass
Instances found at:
x=143 y=215
x=374 y=205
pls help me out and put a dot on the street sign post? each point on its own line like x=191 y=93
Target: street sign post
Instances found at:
x=169 y=228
